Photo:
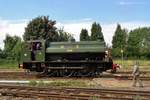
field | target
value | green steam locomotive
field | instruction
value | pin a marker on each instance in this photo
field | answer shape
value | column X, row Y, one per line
column 84, row 58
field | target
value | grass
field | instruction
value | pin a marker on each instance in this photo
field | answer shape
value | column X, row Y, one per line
column 94, row 98
column 71, row 83
column 128, row 64
column 131, row 62
column 61, row 83
column 33, row 83
column 137, row 97
column 8, row 64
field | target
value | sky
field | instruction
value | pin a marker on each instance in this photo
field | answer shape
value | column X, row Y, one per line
column 73, row 15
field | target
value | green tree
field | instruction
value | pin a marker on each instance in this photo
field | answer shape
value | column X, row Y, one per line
column 17, row 50
column 145, row 49
column 96, row 32
column 119, row 41
column 41, row 28
column 11, row 46
column 84, row 35
column 64, row 36
column 2, row 54
column 139, row 43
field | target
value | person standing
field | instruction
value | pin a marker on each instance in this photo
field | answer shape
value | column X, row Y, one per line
column 136, row 75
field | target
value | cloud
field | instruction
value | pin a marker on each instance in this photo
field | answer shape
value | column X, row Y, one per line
column 11, row 27
column 16, row 27
column 134, row 24
column 131, row 3
column 108, row 29
column 75, row 28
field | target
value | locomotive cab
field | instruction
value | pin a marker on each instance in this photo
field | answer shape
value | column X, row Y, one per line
column 36, row 51
column 33, row 54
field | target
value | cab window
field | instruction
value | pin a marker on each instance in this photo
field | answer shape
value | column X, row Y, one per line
column 36, row 46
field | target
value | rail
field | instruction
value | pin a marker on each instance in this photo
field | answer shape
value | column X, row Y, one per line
column 74, row 93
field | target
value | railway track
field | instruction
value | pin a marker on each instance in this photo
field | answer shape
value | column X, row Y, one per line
column 129, row 72
column 17, row 75
column 145, row 75
column 74, row 93
column 127, row 75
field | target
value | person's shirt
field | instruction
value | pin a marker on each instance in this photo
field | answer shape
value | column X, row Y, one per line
column 136, row 70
